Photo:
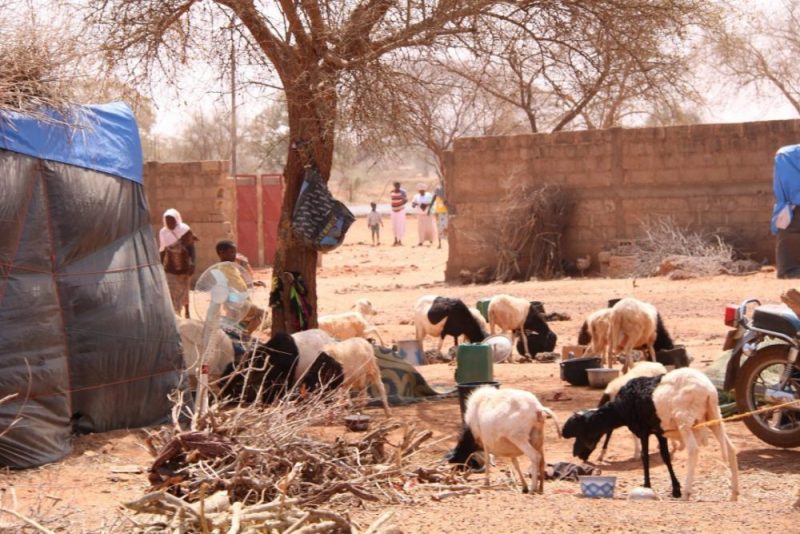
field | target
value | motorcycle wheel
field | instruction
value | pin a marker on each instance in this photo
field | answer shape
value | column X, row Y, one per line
column 780, row 428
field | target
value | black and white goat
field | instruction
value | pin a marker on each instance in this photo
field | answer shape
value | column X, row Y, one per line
column 441, row 317
column 668, row 406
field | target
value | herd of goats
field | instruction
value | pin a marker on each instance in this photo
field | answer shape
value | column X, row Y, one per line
column 681, row 405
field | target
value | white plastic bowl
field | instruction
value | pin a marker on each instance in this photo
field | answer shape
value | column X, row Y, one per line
column 600, row 377
column 501, row 347
column 598, row 486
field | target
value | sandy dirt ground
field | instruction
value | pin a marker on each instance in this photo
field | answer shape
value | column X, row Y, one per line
column 88, row 486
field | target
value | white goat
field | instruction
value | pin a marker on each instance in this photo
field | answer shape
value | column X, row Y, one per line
column 510, row 423
column 309, row 344
column 510, row 313
column 350, row 324
column 357, row 357
column 632, row 324
column 684, row 398
column 613, row 387
column 598, row 323
column 220, row 350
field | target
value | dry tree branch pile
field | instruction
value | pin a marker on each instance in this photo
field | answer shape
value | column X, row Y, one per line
column 706, row 253
column 526, row 239
column 259, row 468
column 32, row 74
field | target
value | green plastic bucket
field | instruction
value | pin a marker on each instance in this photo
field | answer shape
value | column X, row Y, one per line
column 474, row 363
column 483, row 307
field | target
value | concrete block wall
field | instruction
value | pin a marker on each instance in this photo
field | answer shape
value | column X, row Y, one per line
column 708, row 177
column 204, row 195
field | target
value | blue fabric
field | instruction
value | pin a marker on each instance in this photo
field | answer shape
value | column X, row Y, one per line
column 786, row 180
column 107, row 139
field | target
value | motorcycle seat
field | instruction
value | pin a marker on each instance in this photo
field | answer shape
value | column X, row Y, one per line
column 776, row 318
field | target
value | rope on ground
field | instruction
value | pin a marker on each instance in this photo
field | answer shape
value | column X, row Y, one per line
column 747, row 414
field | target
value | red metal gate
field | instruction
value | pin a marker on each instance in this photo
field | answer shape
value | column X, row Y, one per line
column 258, row 203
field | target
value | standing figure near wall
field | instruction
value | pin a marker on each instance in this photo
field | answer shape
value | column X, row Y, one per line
column 439, row 210
column 786, row 214
column 178, row 256
column 399, row 198
column 422, row 203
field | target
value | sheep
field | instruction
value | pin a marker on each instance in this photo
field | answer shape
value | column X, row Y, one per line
column 594, row 332
column 668, row 406
column 309, row 344
column 613, row 387
column 266, row 373
column 357, row 357
column 351, row 323
column 632, row 324
column 440, row 317
column 220, row 350
column 506, row 422
column 519, row 316
column 589, row 335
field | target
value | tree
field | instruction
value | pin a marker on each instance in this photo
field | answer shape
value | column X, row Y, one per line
column 437, row 106
column 582, row 66
column 762, row 49
column 326, row 54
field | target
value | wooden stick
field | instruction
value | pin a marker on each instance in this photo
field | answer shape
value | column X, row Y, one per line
column 27, row 520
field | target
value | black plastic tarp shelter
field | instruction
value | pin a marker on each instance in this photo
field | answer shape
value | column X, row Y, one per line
column 88, row 341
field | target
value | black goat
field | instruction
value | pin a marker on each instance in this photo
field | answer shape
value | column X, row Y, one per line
column 539, row 335
column 324, row 374
column 268, row 369
column 633, row 407
column 464, row 453
column 460, row 321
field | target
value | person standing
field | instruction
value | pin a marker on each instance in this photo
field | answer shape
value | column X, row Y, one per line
column 421, row 203
column 178, row 256
column 785, row 222
column 374, row 221
column 439, row 210
column 399, row 199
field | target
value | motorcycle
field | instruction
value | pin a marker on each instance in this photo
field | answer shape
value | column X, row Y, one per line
column 764, row 369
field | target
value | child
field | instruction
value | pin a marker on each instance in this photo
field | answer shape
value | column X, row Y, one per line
column 375, row 222
column 226, row 250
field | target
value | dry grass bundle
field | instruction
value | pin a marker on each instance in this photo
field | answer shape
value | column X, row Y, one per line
column 702, row 253
column 527, row 237
column 33, row 75
column 259, row 468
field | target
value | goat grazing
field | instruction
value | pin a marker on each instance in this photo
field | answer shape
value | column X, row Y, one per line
column 632, row 324
column 309, row 344
column 668, row 406
column 357, row 358
column 350, row 324
column 520, row 317
column 507, row 423
column 265, row 373
column 612, row 389
column 594, row 332
column 440, row 317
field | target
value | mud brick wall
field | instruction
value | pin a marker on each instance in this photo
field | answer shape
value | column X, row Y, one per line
column 708, row 177
column 204, row 195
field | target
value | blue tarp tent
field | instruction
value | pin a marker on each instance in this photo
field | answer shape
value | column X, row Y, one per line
column 88, row 341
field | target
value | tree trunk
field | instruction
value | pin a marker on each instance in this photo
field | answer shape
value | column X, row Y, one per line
column 310, row 119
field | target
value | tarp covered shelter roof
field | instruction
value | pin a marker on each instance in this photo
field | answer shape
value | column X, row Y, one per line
column 88, row 341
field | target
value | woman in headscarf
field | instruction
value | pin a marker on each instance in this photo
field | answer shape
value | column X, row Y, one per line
column 176, row 246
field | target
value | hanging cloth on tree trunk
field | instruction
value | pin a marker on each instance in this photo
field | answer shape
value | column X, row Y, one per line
column 300, row 309
column 319, row 220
